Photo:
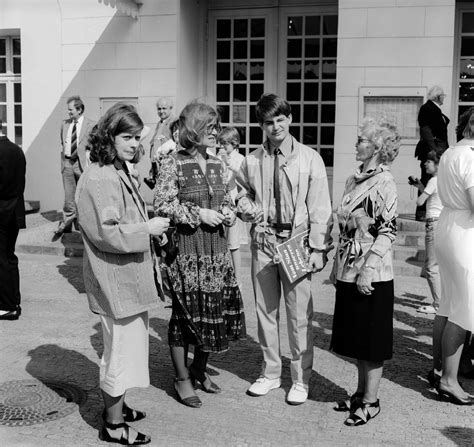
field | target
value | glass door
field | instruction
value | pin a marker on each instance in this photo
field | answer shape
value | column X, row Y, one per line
column 307, row 76
column 241, row 68
column 288, row 51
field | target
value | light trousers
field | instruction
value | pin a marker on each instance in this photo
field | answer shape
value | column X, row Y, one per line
column 71, row 174
column 269, row 281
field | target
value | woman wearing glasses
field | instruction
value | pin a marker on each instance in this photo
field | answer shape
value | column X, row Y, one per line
column 207, row 309
column 362, row 272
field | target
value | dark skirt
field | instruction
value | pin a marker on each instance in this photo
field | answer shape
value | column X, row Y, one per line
column 207, row 305
column 363, row 324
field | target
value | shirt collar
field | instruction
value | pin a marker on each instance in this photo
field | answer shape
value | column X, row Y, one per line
column 79, row 120
column 285, row 147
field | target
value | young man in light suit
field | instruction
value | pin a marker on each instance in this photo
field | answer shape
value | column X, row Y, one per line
column 283, row 192
column 74, row 159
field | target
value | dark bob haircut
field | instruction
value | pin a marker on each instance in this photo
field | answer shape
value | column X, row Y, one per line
column 269, row 106
column 194, row 122
column 120, row 118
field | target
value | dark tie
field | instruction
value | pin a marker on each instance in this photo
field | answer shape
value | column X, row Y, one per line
column 276, row 188
column 74, row 141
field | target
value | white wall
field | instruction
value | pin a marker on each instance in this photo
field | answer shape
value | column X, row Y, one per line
column 88, row 48
column 388, row 43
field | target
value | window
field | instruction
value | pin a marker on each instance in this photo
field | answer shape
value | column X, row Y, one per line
column 311, row 55
column 291, row 52
column 240, row 75
column 10, row 88
column 465, row 61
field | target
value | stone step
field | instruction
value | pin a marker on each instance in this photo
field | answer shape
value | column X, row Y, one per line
column 32, row 206
column 411, row 268
column 410, row 224
column 410, row 238
column 407, row 253
column 69, row 251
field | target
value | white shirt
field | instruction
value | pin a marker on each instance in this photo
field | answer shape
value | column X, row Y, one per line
column 433, row 203
column 67, row 147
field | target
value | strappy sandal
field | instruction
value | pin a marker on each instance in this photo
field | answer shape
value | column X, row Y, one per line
column 191, row 401
column 131, row 415
column 206, row 383
column 363, row 413
column 349, row 404
column 125, row 435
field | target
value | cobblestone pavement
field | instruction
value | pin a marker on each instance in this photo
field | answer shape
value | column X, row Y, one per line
column 58, row 339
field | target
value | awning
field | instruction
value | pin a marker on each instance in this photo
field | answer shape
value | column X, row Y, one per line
column 129, row 7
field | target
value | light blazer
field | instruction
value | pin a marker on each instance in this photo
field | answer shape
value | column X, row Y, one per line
column 309, row 187
column 82, row 140
column 118, row 267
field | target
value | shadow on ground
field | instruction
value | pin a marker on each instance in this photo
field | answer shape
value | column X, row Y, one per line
column 461, row 436
column 49, row 363
column 71, row 270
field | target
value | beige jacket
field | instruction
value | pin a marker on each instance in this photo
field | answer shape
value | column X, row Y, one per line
column 118, row 269
column 309, row 189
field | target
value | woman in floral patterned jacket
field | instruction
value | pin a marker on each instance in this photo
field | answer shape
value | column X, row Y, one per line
column 206, row 301
column 362, row 272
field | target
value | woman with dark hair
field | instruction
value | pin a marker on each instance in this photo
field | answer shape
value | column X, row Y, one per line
column 207, row 309
column 453, row 244
column 363, row 272
column 118, row 270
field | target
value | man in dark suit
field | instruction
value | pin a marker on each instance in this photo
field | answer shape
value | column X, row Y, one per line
column 74, row 157
column 12, row 218
column 433, row 134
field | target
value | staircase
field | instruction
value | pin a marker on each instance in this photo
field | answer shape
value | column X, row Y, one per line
column 409, row 247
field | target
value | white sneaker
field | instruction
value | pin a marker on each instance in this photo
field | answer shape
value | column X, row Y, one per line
column 298, row 394
column 262, row 386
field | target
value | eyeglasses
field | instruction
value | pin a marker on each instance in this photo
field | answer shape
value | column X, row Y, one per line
column 362, row 140
column 213, row 127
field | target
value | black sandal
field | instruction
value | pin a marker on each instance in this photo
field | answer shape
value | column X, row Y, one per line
column 349, row 404
column 131, row 415
column 363, row 413
column 124, row 439
column 206, row 383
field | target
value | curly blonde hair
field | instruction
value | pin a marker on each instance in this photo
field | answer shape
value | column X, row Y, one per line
column 384, row 136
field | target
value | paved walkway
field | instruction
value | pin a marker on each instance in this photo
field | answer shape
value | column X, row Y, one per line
column 58, row 339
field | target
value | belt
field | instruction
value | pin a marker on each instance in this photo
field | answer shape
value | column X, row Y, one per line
column 281, row 226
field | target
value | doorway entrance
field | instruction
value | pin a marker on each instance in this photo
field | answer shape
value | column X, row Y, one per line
column 287, row 50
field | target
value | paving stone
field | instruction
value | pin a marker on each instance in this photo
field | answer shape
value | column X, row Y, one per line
column 59, row 339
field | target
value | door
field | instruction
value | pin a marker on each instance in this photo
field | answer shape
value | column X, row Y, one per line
column 290, row 51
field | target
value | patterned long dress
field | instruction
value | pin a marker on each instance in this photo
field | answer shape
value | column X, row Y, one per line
column 207, row 304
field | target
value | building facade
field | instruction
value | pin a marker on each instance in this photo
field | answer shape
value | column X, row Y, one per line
column 335, row 61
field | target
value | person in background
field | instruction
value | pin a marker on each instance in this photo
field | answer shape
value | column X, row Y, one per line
column 207, row 308
column 362, row 271
column 12, row 219
column 162, row 134
column 433, row 135
column 74, row 158
column 283, row 193
column 229, row 141
column 453, row 244
column 429, row 194
column 119, row 278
